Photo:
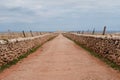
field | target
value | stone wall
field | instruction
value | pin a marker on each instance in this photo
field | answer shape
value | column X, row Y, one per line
column 11, row 51
column 107, row 47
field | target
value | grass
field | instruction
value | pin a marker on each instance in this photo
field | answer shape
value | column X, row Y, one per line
column 105, row 60
column 15, row 61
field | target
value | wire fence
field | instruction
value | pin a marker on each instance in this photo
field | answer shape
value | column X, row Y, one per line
column 12, row 35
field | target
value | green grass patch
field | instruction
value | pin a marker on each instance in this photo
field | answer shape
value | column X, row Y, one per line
column 15, row 61
column 105, row 60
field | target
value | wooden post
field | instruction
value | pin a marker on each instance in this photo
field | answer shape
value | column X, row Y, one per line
column 104, row 30
column 93, row 31
column 9, row 34
column 88, row 31
column 31, row 33
column 23, row 33
column 82, row 32
column 37, row 33
column 40, row 33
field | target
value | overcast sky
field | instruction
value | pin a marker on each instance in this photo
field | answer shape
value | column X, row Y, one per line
column 51, row 15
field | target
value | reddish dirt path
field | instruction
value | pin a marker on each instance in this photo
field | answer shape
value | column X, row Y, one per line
column 60, row 59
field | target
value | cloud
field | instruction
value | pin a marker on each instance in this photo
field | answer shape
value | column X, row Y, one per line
column 59, row 11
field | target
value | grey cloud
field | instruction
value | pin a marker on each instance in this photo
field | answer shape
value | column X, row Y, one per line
column 65, row 11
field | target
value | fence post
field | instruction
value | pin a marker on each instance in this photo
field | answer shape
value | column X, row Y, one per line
column 88, row 31
column 23, row 33
column 82, row 32
column 31, row 33
column 104, row 30
column 40, row 33
column 79, row 32
column 9, row 34
column 93, row 31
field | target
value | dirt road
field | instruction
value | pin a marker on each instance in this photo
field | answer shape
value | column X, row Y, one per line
column 60, row 59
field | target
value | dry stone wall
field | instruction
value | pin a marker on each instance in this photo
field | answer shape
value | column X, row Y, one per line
column 11, row 51
column 107, row 47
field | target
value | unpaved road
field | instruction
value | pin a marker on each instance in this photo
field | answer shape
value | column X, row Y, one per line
column 60, row 59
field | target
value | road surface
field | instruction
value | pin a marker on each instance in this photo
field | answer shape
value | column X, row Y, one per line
column 60, row 59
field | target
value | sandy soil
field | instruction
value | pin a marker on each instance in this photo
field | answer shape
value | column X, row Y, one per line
column 60, row 59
